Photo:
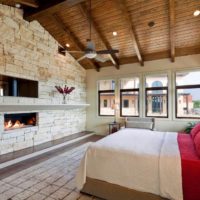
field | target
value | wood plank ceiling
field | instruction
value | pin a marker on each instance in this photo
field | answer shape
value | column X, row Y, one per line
column 146, row 29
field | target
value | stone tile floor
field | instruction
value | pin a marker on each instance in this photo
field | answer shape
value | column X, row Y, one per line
column 53, row 179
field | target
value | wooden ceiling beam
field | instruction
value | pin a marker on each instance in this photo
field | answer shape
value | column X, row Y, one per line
column 84, row 10
column 73, row 39
column 48, row 8
column 121, row 5
column 30, row 3
column 172, row 28
column 159, row 55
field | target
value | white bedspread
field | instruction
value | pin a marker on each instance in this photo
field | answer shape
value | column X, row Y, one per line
column 144, row 160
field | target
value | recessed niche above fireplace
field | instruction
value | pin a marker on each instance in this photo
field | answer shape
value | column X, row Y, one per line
column 19, row 120
column 17, row 87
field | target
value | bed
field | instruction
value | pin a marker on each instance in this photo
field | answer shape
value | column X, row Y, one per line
column 141, row 164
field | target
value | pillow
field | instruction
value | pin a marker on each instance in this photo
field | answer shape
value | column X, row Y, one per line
column 144, row 125
column 195, row 130
column 197, row 143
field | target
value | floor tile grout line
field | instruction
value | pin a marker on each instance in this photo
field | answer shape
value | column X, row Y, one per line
column 47, row 186
column 39, row 190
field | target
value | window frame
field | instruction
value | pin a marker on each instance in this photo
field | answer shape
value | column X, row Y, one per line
column 167, row 99
column 177, row 87
column 99, row 101
column 121, row 102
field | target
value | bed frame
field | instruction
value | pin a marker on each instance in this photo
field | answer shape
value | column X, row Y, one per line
column 110, row 191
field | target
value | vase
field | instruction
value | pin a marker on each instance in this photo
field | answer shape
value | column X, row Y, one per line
column 64, row 99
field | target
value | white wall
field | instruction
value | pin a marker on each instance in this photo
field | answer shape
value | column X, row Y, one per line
column 100, row 124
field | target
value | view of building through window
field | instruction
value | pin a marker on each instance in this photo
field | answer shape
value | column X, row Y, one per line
column 106, row 97
column 129, row 96
column 188, row 94
column 157, row 95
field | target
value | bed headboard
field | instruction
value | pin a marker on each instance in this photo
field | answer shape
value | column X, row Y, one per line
column 146, row 123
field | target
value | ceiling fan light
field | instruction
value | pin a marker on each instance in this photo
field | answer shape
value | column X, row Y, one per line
column 91, row 55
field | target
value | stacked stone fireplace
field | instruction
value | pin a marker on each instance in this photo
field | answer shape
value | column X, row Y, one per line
column 28, row 51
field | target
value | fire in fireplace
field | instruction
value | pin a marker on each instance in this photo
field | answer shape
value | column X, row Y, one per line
column 19, row 120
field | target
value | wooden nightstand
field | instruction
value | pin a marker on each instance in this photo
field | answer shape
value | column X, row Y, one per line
column 114, row 127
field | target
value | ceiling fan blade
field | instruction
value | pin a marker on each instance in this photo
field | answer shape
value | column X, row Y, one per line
column 75, row 51
column 110, row 51
column 81, row 58
column 100, row 59
column 73, row 2
column 60, row 46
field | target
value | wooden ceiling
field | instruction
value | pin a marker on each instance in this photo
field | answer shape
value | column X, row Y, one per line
column 147, row 29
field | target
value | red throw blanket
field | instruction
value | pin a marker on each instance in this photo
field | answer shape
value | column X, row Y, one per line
column 190, row 168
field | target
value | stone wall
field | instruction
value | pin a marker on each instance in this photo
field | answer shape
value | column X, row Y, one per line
column 28, row 51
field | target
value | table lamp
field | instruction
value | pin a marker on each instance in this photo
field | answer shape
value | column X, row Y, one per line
column 115, row 107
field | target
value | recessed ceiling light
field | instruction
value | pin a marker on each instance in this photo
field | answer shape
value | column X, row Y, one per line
column 17, row 5
column 114, row 33
column 196, row 13
column 67, row 45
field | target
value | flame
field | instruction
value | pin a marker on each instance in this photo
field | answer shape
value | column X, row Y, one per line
column 10, row 124
column 31, row 121
column 17, row 124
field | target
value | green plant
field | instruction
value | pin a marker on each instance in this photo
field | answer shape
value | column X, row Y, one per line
column 189, row 127
column 196, row 104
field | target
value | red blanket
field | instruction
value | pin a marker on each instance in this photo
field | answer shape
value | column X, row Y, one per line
column 190, row 168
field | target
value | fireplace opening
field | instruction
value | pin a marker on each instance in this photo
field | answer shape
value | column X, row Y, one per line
column 19, row 120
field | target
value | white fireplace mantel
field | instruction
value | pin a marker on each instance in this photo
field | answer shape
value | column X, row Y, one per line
column 5, row 108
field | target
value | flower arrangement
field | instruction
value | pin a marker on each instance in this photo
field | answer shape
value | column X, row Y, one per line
column 64, row 91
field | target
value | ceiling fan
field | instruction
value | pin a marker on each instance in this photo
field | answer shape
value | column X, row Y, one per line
column 90, row 51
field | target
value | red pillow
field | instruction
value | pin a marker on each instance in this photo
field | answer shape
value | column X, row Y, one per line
column 195, row 130
column 197, row 143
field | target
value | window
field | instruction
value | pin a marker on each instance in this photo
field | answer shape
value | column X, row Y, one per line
column 106, row 96
column 157, row 96
column 188, row 94
column 129, row 97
